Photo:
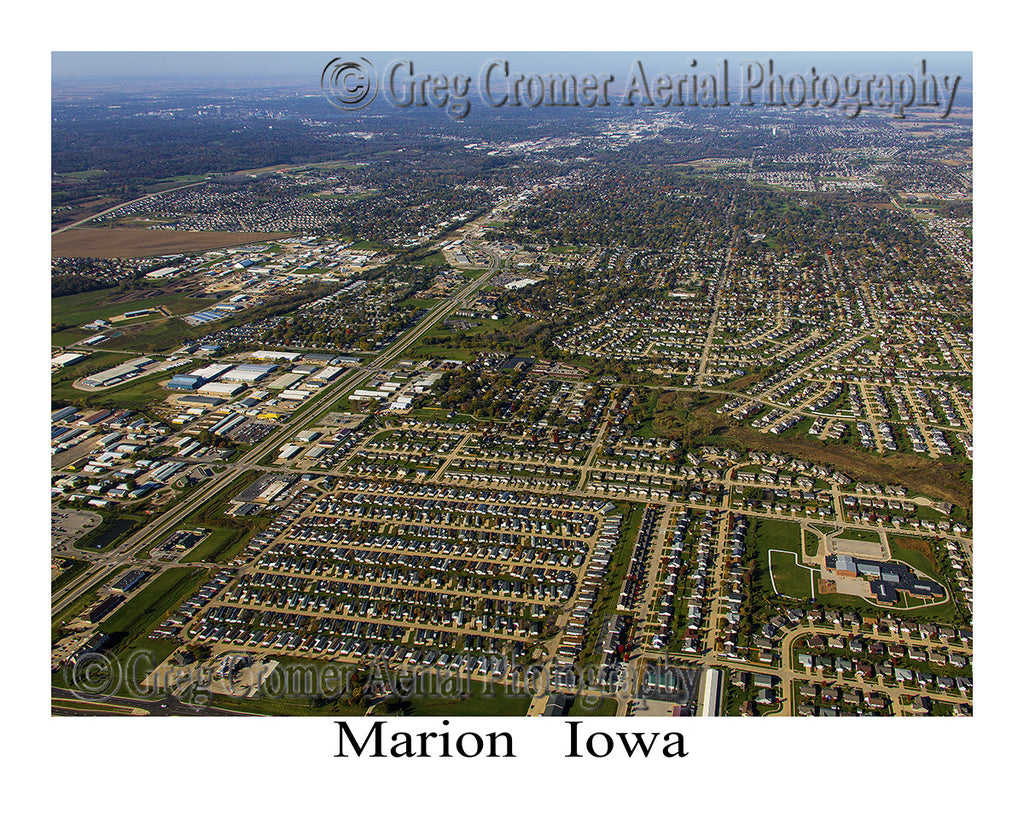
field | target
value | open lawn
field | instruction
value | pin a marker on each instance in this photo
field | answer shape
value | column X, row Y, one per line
column 764, row 535
column 422, row 351
column 915, row 552
column 861, row 535
column 81, row 308
column 135, row 394
column 481, row 700
column 299, row 678
column 437, row 414
column 163, row 334
column 285, row 706
column 775, row 534
column 220, row 546
column 435, row 259
column 86, row 174
column 788, row 577
column 155, row 601
column 586, row 707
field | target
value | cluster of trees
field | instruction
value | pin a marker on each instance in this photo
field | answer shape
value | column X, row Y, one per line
column 81, row 274
column 67, row 284
column 482, row 395
column 631, row 208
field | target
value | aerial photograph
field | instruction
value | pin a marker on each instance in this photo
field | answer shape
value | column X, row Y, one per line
column 520, row 384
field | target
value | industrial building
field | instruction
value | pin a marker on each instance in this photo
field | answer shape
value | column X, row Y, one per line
column 273, row 355
column 200, row 400
column 184, row 382
column 116, row 375
column 219, row 388
column 285, row 381
column 162, row 273
column 327, row 374
column 62, row 414
column 67, row 359
column 249, row 373
column 130, row 581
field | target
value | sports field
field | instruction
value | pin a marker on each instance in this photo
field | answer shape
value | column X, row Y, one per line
column 788, row 577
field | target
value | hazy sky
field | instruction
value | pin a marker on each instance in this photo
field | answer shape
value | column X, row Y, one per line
column 282, row 66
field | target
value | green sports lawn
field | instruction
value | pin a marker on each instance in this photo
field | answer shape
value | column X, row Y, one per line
column 790, row 578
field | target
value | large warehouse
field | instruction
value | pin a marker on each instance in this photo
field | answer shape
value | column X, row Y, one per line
column 221, row 389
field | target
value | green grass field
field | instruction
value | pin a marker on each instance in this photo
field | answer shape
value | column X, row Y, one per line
column 156, row 599
column 136, row 394
column 434, row 258
column 859, row 534
column 86, row 174
column 901, row 549
column 285, row 706
column 173, row 181
column 482, row 700
column 163, row 334
column 790, row 578
column 220, row 546
column 775, row 534
column 420, row 351
column 83, row 601
column 763, row 535
column 417, row 303
column 430, row 414
column 585, row 707
column 474, row 699
column 73, row 569
column 81, row 308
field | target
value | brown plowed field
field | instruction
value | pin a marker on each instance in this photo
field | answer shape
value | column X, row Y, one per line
column 131, row 243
